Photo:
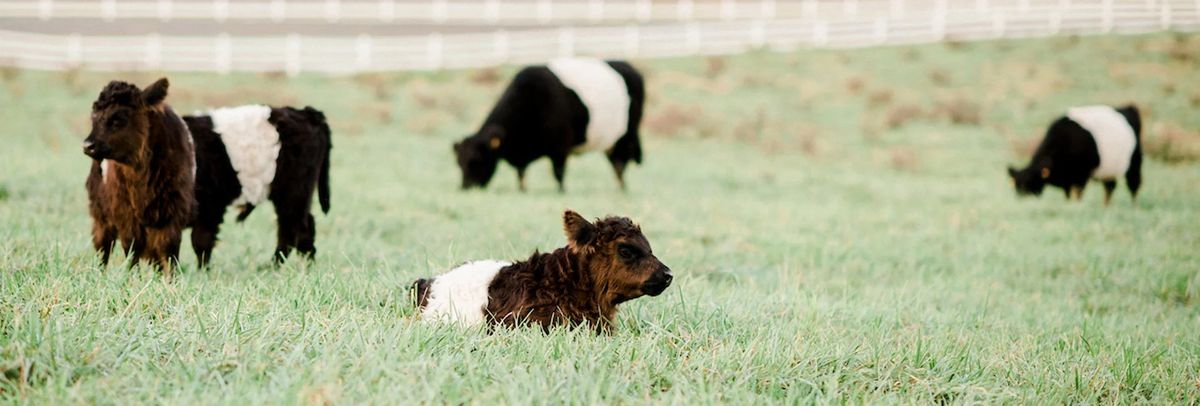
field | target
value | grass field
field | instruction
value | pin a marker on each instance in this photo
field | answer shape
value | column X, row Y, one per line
column 840, row 225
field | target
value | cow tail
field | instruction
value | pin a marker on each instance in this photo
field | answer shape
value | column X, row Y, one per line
column 323, row 185
column 318, row 118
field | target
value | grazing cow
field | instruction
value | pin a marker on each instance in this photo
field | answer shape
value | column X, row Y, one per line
column 603, row 265
column 143, row 174
column 253, row 153
column 569, row 106
column 1092, row 142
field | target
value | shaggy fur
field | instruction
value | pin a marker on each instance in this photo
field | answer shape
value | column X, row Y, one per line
column 140, row 187
column 1097, row 142
column 252, row 146
column 540, row 115
column 280, row 154
column 603, row 265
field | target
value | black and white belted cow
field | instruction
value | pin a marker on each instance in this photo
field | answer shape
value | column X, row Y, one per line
column 1091, row 142
column 568, row 106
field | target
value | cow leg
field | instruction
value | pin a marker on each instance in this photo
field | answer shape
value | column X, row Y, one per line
column 1077, row 192
column 292, row 218
column 204, row 238
column 1133, row 177
column 166, row 243
column 521, row 178
column 133, row 246
column 560, row 170
column 618, row 167
column 306, row 235
column 1109, row 186
column 104, row 237
column 162, row 248
column 286, row 238
column 204, row 234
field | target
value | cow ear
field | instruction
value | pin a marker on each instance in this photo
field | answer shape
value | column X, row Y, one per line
column 1045, row 173
column 156, row 92
column 580, row 233
column 1012, row 172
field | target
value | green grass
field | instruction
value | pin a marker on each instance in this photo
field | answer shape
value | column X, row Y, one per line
column 821, row 254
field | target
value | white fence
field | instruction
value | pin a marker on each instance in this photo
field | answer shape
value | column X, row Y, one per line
column 897, row 23
column 478, row 11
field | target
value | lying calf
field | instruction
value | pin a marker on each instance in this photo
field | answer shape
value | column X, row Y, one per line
column 603, row 265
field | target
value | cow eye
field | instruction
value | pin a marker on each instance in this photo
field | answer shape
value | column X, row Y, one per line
column 627, row 253
column 116, row 123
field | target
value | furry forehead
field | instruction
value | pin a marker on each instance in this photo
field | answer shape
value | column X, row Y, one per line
column 118, row 93
column 613, row 228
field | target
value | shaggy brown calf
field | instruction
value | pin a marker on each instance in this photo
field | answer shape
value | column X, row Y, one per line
column 603, row 265
column 143, row 174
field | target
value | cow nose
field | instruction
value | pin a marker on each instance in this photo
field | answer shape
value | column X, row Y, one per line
column 667, row 276
column 89, row 147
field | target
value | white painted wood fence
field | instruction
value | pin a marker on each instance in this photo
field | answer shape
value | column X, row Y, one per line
column 611, row 29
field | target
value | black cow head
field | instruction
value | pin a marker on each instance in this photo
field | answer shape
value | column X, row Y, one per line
column 478, row 156
column 1029, row 181
column 121, row 120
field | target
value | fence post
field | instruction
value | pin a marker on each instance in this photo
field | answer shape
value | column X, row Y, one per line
column 333, row 10
column 438, row 11
column 981, row 6
column 939, row 21
column 493, row 11
column 768, row 9
column 278, row 10
column 1055, row 22
column 850, row 7
column 544, row 13
column 643, row 10
column 1023, row 6
column 108, row 9
column 45, row 9
column 881, row 30
column 897, row 8
column 153, row 52
column 998, row 25
column 220, row 10
column 595, row 10
column 223, row 50
column 387, row 10
column 810, row 8
column 1107, row 17
column 758, row 34
column 633, row 40
column 74, row 50
column 364, row 48
column 684, row 10
column 434, row 49
column 165, row 10
column 1165, row 17
column 566, row 42
column 820, row 34
column 728, row 10
column 500, row 45
column 693, row 38
column 292, row 63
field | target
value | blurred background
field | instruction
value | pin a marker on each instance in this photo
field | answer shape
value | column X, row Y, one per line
column 349, row 36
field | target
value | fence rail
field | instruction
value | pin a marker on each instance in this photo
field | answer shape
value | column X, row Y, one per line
column 294, row 53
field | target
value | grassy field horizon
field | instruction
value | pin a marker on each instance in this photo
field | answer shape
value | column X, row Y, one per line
column 840, row 225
